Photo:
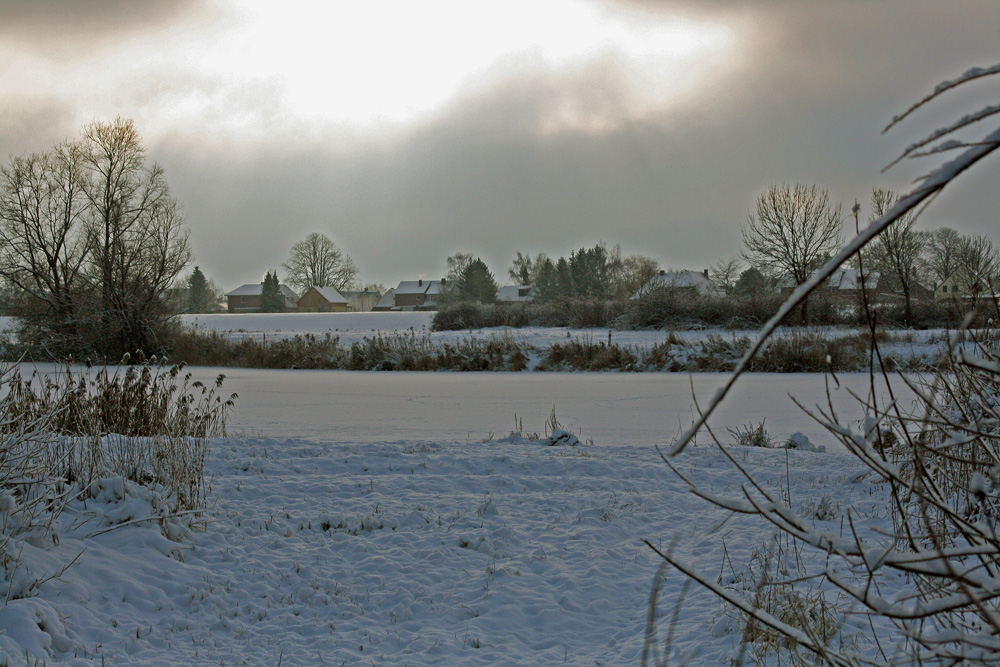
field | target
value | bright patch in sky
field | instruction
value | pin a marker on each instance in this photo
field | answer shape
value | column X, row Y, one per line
column 392, row 61
column 259, row 68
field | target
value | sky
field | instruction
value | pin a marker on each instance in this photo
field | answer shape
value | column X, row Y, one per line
column 410, row 131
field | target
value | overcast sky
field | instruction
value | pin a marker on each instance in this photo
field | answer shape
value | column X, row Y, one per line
column 409, row 131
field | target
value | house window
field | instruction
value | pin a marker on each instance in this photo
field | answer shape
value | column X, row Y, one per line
column 944, row 289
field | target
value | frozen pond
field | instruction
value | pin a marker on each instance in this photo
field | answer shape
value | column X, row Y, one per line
column 610, row 408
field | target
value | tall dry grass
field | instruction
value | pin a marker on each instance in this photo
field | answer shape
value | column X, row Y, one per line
column 67, row 435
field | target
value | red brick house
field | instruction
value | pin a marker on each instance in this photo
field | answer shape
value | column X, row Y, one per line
column 246, row 298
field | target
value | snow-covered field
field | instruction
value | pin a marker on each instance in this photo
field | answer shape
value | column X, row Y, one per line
column 368, row 542
column 364, row 518
column 404, row 553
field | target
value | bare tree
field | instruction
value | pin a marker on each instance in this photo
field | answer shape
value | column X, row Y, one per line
column 898, row 249
column 316, row 261
column 794, row 230
column 457, row 264
column 941, row 254
column 42, row 239
column 979, row 265
column 725, row 274
column 521, row 269
column 631, row 273
column 524, row 270
column 92, row 235
column 136, row 239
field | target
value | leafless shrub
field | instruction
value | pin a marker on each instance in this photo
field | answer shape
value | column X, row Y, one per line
column 752, row 436
column 763, row 583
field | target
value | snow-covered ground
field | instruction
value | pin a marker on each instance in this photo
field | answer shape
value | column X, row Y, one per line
column 371, row 540
column 406, row 553
column 363, row 518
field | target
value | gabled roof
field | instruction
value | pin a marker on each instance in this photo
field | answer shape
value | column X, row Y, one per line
column 388, row 299
column 428, row 287
column 251, row 289
column 328, row 293
column 675, row 279
column 849, row 279
column 513, row 293
column 255, row 289
column 841, row 279
column 413, row 287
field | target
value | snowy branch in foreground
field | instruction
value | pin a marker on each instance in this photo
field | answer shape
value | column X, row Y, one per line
column 931, row 185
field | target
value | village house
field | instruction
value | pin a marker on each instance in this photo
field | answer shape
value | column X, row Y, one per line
column 960, row 285
column 361, row 301
column 695, row 282
column 417, row 294
column 246, row 298
column 387, row 302
column 515, row 294
column 322, row 300
column 843, row 283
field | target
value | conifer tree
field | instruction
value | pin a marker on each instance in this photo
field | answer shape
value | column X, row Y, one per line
column 547, row 283
column 564, row 280
column 477, row 283
column 199, row 294
column 271, row 298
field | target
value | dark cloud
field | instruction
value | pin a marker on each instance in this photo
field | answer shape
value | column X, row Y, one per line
column 61, row 29
column 804, row 101
column 481, row 180
column 34, row 128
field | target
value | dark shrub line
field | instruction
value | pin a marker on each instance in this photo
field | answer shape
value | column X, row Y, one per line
column 677, row 309
column 798, row 351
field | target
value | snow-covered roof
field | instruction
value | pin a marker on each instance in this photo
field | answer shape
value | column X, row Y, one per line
column 514, row 293
column 841, row 279
column 413, row 286
column 330, row 294
column 251, row 289
column 388, row 299
column 848, row 279
column 255, row 289
column 675, row 279
column 428, row 287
